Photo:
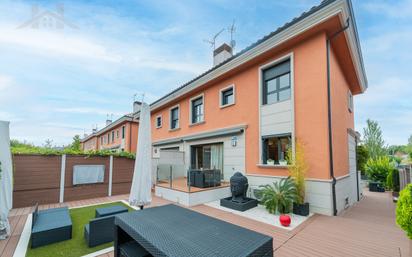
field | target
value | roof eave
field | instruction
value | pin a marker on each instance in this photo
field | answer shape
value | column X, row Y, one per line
column 342, row 8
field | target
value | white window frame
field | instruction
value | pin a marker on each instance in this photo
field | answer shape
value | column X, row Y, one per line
column 292, row 99
column 170, row 117
column 190, row 108
column 221, row 105
column 161, row 121
column 350, row 101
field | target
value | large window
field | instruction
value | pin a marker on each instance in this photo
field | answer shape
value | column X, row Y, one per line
column 275, row 149
column 197, row 110
column 108, row 138
column 123, row 132
column 174, row 118
column 227, row 96
column 207, row 156
column 113, row 136
column 276, row 83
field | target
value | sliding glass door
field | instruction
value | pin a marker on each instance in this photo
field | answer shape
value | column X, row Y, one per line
column 207, row 156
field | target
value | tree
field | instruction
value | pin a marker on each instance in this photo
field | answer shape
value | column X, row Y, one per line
column 362, row 156
column 48, row 143
column 76, row 143
column 372, row 139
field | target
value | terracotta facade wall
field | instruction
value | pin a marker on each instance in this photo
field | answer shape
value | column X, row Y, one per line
column 37, row 179
column 309, row 61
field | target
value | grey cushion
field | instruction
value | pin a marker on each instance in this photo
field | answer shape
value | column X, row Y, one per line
column 51, row 219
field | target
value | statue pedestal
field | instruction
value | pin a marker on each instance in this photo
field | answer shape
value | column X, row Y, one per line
column 246, row 204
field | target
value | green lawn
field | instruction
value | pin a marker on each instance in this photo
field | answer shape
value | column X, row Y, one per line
column 77, row 246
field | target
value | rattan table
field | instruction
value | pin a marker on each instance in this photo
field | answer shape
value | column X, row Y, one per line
column 171, row 230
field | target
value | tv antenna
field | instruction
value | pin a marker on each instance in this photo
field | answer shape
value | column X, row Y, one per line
column 232, row 30
column 212, row 41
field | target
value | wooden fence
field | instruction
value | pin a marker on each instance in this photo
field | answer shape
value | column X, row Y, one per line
column 405, row 175
column 38, row 178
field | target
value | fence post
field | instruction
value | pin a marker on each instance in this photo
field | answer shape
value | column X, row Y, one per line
column 110, row 175
column 62, row 176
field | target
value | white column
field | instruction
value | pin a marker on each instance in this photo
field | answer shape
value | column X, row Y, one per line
column 62, row 176
column 110, row 175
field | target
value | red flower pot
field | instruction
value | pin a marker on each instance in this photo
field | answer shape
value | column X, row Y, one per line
column 284, row 220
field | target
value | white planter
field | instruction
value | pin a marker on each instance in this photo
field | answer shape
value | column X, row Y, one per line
column 283, row 163
column 270, row 162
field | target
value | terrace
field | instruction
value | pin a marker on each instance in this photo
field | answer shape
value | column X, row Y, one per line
column 366, row 229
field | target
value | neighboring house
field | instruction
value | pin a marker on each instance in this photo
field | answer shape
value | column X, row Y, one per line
column 245, row 112
column 120, row 135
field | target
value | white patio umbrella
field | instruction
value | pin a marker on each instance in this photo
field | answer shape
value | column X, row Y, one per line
column 6, row 179
column 140, row 193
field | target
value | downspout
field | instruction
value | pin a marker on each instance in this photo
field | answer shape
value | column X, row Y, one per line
column 356, row 163
column 332, row 174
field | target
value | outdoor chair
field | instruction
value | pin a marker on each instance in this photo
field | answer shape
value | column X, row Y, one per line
column 99, row 231
column 50, row 226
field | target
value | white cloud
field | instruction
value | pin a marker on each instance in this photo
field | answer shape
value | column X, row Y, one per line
column 88, row 110
column 5, row 82
column 56, row 44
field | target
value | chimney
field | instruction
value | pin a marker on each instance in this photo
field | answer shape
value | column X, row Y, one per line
column 221, row 54
column 136, row 106
column 94, row 130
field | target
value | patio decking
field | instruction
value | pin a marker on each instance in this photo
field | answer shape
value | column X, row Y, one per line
column 366, row 229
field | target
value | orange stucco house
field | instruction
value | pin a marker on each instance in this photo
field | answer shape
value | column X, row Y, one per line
column 245, row 112
column 120, row 135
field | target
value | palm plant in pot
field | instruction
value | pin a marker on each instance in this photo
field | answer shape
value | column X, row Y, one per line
column 279, row 197
column 297, row 170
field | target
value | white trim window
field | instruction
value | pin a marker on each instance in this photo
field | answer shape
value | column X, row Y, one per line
column 276, row 86
column 350, row 101
column 159, row 121
column 174, row 117
column 275, row 149
column 227, row 96
column 197, row 109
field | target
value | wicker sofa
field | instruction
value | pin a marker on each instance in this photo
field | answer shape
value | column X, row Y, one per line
column 204, row 178
column 50, row 226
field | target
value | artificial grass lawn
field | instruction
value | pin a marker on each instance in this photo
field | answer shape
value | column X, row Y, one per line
column 76, row 246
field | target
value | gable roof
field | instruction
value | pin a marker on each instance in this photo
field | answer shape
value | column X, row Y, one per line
column 335, row 6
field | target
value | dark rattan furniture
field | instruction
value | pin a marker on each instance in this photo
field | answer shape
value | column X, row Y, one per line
column 107, row 211
column 204, row 178
column 171, row 230
column 50, row 226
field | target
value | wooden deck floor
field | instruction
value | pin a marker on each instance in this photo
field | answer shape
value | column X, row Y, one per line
column 366, row 229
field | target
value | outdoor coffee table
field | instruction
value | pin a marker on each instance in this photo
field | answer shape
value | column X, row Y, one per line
column 171, row 230
column 107, row 211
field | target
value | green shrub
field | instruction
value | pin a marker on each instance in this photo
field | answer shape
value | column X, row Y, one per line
column 378, row 169
column 404, row 210
column 362, row 156
column 392, row 180
column 297, row 170
column 279, row 196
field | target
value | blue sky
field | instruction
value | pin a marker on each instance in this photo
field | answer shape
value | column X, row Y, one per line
column 57, row 83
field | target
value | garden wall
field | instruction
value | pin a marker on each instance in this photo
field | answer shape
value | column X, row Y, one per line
column 37, row 178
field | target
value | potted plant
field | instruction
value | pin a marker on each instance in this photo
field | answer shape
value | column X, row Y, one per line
column 404, row 212
column 297, row 170
column 270, row 162
column 278, row 198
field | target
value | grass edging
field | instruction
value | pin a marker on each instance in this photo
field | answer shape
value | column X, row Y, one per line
column 76, row 245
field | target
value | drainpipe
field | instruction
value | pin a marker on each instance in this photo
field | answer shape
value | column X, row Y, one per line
column 332, row 174
column 356, row 163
